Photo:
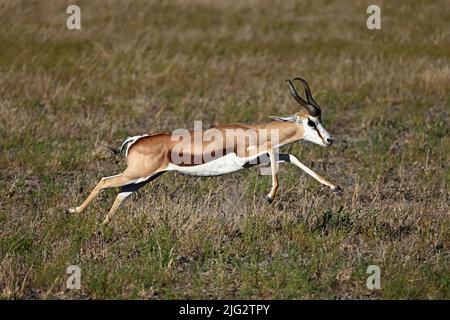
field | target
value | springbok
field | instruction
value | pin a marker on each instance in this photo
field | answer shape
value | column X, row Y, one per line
column 220, row 150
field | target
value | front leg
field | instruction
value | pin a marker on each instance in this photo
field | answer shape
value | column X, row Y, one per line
column 273, row 168
column 292, row 159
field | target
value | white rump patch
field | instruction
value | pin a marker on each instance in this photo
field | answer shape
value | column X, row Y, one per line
column 130, row 141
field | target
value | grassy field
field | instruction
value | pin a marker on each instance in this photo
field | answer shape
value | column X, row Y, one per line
column 147, row 66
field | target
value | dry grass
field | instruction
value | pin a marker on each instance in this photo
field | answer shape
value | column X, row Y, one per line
column 147, row 66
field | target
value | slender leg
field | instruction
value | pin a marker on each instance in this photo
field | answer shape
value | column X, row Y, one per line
column 292, row 159
column 273, row 167
column 119, row 199
column 105, row 182
column 124, row 192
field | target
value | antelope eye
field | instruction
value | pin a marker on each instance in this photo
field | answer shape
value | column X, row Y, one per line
column 311, row 123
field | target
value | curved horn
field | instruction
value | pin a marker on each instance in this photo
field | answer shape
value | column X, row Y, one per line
column 313, row 110
column 309, row 96
column 295, row 94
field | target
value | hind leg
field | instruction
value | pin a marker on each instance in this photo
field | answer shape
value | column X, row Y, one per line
column 119, row 199
column 105, row 182
column 124, row 192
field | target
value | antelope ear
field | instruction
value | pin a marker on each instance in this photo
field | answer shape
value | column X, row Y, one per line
column 292, row 118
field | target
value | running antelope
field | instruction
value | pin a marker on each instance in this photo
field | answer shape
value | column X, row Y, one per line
column 220, row 150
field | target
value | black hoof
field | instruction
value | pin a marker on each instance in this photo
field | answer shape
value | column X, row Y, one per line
column 270, row 200
column 337, row 189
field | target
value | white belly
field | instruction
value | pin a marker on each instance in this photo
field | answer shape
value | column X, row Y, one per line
column 226, row 164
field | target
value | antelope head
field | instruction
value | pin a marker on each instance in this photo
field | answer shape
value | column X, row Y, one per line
column 309, row 120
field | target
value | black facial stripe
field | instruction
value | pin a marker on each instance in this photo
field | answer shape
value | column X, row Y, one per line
column 318, row 132
column 315, row 128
